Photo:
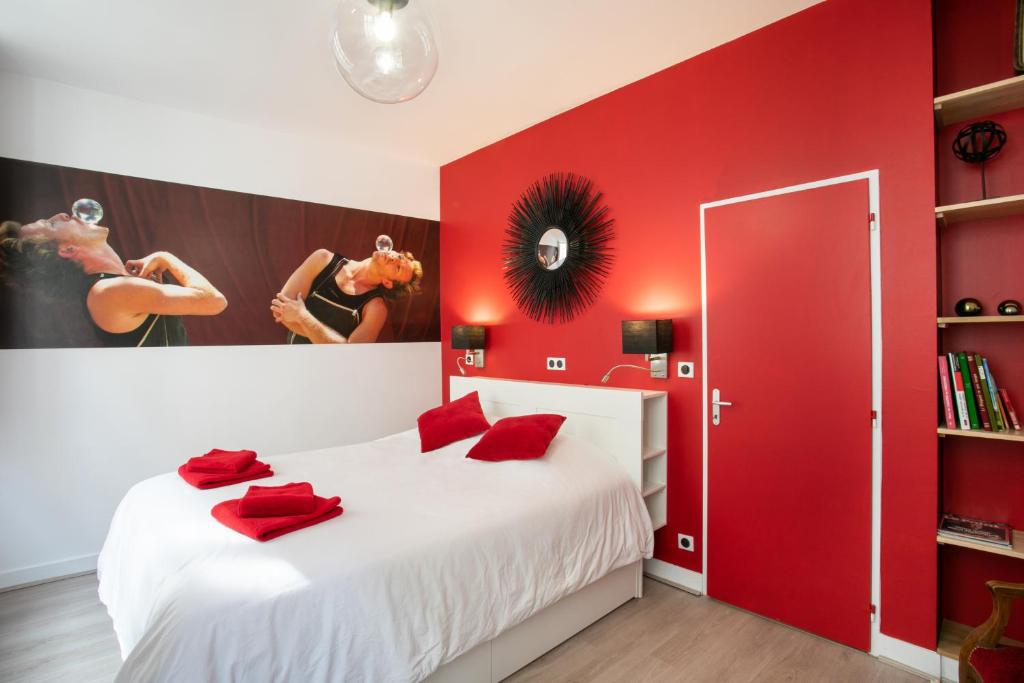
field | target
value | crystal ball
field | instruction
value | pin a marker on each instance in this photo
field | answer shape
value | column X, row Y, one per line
column 384, row 243
column 88, row 211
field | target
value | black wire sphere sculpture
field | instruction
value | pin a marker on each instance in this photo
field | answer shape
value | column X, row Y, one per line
column 977, row 143
column 558, row 294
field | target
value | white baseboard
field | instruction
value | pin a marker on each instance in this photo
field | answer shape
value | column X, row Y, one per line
column 950, row 669
column 48, row 571
column 675, row 576
column 927, row 662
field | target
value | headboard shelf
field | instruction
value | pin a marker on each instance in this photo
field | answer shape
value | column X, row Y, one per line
column 629, row 425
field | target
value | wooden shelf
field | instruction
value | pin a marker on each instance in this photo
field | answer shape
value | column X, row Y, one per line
column 653, row 453
column 952, row 637
column 991, row 98
column 651, row 489
column 980, row 320
column 996, row 207
column 1012, row 435
column 1016, row 551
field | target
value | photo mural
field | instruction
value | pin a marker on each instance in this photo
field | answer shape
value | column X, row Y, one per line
column 92, row 259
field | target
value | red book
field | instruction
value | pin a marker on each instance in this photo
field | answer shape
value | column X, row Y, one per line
column 979, row 399
column 1009, row 408
column 947, row 394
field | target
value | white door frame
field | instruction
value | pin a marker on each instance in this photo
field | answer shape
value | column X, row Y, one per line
column 874, row 237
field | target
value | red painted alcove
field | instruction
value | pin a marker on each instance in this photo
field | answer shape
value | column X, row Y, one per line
column 981, row 259
column 842, row 87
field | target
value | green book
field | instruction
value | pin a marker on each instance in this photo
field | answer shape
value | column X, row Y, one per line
column 965, row 372
column 986, row 396
column 1001, row 423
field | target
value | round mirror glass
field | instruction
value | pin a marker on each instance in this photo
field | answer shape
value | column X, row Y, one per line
column 553, row 249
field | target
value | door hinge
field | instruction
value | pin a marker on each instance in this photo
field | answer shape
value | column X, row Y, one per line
column 872, row 221
column 874, row 612
column 874, row 418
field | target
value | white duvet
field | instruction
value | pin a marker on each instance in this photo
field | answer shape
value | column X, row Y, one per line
column 434, row 555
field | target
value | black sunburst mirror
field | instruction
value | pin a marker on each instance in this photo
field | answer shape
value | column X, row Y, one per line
column 557, row 248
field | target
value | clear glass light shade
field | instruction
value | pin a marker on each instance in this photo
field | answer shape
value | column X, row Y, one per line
column 384, row 48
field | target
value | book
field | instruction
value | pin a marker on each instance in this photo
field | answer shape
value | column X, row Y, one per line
column 965, row 372
column 947, row 394
column 979, row 394
column 976, row 530
column 998, row 420
column 958, row 392
column 1009, row 409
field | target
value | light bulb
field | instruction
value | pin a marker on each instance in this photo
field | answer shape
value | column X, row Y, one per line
column 383, row 26
column 384, row 48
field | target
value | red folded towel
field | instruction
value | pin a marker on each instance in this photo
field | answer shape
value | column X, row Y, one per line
column 211, row 480
column 277, row 501
column 220, row 461
column 266, row 528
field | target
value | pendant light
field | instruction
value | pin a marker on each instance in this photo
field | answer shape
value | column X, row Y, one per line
column 384, row 48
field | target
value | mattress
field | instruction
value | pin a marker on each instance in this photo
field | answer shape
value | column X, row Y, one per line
column 434, row 554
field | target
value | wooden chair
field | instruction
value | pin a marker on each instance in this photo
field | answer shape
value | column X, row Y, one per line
column 992, row 665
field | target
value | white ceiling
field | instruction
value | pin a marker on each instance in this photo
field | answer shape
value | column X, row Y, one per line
column 504, row 64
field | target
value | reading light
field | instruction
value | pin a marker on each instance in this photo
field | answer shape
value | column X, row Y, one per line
column 473, row 339
column 653, row 338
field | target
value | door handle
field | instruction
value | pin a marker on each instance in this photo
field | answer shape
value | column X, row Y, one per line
column 716, row 413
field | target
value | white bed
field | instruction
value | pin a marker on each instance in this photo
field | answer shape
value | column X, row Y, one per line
column 434, row 558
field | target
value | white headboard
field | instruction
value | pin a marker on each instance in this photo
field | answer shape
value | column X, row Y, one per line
column 612, row 419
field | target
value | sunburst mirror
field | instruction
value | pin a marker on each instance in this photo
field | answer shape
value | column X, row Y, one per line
column 557, row 248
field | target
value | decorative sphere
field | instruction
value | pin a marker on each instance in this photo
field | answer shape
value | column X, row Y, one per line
column 384, row 243
column 88, row 211
column 968, row 307
column 979, row 142
column 384, row 49
column 1010, row 307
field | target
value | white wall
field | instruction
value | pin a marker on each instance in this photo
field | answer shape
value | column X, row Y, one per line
column 79, row 426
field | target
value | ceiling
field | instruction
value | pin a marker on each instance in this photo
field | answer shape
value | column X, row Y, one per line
column 504, row 64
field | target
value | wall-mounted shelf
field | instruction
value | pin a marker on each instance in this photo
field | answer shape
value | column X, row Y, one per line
column 653, row 453
column 952, row 637
column 991, row 98
column 980, row 320
column 1017, row 550
column 996, row 207
column 1011, row 435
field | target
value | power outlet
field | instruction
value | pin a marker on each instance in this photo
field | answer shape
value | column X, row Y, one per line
column 685, row 542
column 470, row 359
column 684, row 368
column 556, row 363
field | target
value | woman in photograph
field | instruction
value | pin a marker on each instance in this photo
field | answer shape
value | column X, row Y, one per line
column 65, row 286
column 330, row 299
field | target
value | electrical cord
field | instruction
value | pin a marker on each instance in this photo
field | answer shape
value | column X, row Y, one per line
column 607, row 375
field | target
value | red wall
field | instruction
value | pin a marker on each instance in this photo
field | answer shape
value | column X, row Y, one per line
column 842, row 87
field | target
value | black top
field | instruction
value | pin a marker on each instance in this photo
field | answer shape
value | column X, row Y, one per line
column 340, row 311
column 155, row 330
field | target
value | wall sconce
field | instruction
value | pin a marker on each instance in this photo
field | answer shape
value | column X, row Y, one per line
column 472, row 338
column 653, row 338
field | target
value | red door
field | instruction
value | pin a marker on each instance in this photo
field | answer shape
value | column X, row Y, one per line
column 789, row 464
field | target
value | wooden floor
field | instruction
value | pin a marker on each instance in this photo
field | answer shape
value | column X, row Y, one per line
column 60, row 632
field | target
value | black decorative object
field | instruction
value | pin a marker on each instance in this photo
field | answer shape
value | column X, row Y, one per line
column 1018, row 44
column 977, row 143
column 646, row 336
column 469, row 337
column 967, row 308
column 546, row 290
column 1009, row 307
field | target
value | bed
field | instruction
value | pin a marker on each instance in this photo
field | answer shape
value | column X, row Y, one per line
column 440, row 569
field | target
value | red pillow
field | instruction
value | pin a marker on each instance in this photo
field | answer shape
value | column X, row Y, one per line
column 517, row 438
column 454, row 421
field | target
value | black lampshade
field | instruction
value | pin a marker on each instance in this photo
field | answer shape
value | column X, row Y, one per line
column 646, row 336
column 469, row 337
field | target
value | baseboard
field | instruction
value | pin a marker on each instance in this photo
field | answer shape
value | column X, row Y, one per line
column 950, row 669
column 48, row 571
column 686, row 579
column 911, row 656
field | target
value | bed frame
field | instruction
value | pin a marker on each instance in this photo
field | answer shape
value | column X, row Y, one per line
column 611, row 419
